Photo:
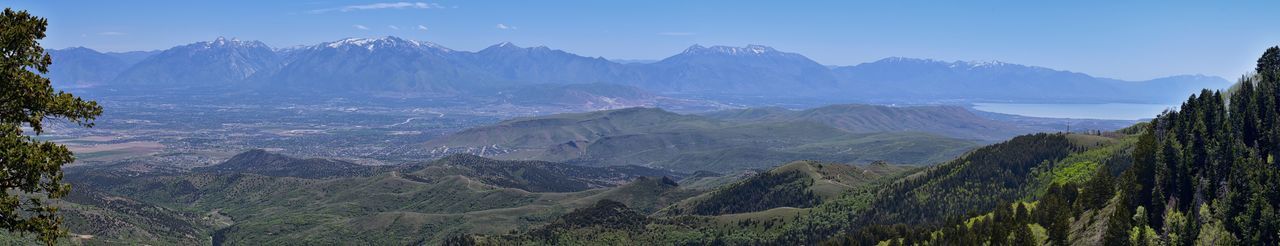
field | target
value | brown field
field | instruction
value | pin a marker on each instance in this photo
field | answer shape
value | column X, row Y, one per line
column 114, row 151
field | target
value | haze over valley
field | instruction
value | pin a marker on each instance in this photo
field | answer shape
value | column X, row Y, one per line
column 240, row 95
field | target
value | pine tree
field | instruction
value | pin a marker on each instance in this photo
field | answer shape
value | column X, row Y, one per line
column 1270, row 61
column 1022, row 236
column 27, row 99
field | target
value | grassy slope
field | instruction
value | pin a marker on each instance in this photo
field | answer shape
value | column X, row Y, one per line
column 1080, row 166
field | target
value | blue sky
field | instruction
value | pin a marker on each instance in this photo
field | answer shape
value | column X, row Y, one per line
column 1133, row 40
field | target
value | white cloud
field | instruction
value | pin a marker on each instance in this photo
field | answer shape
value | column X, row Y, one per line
column 506, row 27
column 393, row 27
column 361, row 27
column 111, row 34
column 421, row 27
column 677, row 33
column 375, row 6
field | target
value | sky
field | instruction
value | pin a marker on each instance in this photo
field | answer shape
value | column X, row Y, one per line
column 1132, row 40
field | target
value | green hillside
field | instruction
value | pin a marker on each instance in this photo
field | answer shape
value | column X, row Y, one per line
column 533, row 176
column 688, row 143
column 951, row 121
column 270, row 164
column 98, row 218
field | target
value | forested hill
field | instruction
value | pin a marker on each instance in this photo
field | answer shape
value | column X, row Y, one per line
column 1212, row 162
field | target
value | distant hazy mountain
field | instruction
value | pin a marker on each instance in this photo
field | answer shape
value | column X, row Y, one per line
column 133, row 57
column 998, row 81
column 83, row 67
column 543, row 65
column 633, row 61
column 212, row 63
column 754, row 69
column 396, row 66
column 374, row 65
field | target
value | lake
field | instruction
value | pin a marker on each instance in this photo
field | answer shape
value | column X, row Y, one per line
column 1106, row 111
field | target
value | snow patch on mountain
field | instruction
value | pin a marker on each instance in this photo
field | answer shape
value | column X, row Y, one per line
column 383, row 42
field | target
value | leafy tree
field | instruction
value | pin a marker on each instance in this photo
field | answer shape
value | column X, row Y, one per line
column 1213, row 233
column 1142, row 234
column 1176, row 228
column 30, row 168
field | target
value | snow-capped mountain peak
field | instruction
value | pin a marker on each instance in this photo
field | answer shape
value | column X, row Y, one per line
column 693, row 49
column 759, row 49
column 223, row 42
column 751, row 49
column 899, row 59
column 502, row 46
column 978, row 64
column 383, row 42
column 949, row 64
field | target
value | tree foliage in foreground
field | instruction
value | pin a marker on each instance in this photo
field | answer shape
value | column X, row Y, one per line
column 31, row 169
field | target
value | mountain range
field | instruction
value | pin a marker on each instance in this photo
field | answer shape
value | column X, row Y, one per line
column 394, row 66
column 79, row 67
column 200, row 65
column 1000, row 81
